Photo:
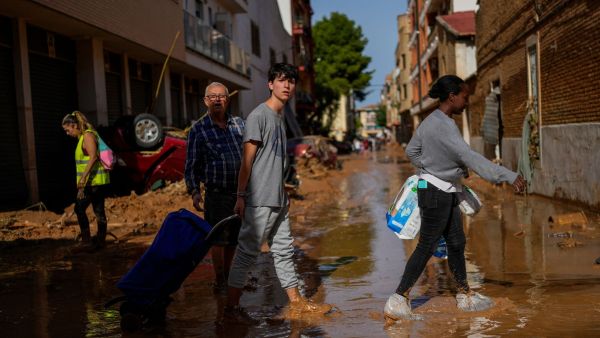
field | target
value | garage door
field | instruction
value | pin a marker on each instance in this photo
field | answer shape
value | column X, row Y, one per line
column 176, row 110
column 141, row 85
column 114, row 94
column 54, row 94
column 13, row 187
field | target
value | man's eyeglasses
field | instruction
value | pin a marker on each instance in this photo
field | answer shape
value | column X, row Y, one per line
column 214, row 97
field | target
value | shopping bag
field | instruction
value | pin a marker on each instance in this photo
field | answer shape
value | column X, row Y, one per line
column 403, row 217
column 469, row 204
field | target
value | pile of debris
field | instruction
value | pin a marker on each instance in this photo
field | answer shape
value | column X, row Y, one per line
column 124, row 214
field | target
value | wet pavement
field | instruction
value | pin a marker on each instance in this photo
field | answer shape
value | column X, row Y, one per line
column 347, row 257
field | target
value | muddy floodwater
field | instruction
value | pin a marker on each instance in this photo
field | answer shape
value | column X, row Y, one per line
column 522, row 251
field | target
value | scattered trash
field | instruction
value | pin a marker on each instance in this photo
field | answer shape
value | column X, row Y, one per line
column 568, row 234
column 569, row 243
column 575, row 219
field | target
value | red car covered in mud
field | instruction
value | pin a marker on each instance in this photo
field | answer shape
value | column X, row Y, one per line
column 313, row 147
column 148, row 156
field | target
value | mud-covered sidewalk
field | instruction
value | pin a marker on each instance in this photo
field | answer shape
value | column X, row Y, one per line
column 533, row 255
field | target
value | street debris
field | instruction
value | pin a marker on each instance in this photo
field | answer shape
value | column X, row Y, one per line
column 569, row 243
column 574, row 219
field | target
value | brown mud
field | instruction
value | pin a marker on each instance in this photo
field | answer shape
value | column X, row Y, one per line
column 345, row 256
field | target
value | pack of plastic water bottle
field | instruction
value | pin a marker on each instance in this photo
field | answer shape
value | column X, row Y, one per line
column 403, row 216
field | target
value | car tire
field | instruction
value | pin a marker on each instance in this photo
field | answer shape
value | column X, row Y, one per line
column 147, row 131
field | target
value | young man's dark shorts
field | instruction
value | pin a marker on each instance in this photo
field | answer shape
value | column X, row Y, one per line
column 219, row 204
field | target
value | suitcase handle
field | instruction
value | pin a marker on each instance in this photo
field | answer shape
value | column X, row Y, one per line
column 217, row 226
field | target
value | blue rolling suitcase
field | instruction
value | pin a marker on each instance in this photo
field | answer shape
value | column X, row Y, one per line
column 181, row 243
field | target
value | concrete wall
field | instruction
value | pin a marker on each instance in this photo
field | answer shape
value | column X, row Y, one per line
column 569, row 163
column 267, row 16
column 339, row 125
column 466, row 59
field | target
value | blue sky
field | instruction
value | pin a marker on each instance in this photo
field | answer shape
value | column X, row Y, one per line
column 378, row 21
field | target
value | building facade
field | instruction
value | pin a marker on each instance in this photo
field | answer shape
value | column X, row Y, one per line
column 303, row 48
column 537, row 93
column 106, row 60
column 441, row 43
column 403, row 126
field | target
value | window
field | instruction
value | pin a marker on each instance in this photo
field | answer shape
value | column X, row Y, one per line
column 200, row 10
column 272, row 56
column 404, row 92
column 255, row 36
column 403, row 61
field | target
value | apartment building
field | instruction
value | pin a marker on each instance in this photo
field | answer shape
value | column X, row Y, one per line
column 441, row 42
column 536, row 97
column 105, row 59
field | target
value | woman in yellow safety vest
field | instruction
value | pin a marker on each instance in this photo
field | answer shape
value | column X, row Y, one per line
column 92, row 178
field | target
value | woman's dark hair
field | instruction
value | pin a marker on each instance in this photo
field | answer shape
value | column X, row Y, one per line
column 446, row 85
column 283, row 70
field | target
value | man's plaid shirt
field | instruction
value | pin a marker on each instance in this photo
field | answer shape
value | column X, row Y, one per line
column 214, row 154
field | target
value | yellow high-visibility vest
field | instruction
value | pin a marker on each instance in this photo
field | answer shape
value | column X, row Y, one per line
column 98, row 175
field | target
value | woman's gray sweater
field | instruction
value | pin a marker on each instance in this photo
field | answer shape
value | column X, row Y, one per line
column 437, row 148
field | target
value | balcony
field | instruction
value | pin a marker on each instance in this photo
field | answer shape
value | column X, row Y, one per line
column 235, row 6
column 209, row 42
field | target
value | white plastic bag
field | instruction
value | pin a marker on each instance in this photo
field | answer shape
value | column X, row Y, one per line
column 403, row 216
column 470, row 204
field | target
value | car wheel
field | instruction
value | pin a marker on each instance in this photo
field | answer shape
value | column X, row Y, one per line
column 147, row 130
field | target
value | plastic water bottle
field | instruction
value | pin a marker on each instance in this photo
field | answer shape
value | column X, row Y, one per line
column 441, row 251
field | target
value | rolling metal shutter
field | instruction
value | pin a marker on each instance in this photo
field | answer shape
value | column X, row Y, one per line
column 13, row 187
column 114, row 93
column 54, row 94
column 141, row 85
column 176, row 101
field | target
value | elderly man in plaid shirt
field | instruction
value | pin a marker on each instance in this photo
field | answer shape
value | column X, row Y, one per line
column 214, row 152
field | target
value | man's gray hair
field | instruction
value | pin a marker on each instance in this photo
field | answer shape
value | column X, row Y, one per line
column 215, row 84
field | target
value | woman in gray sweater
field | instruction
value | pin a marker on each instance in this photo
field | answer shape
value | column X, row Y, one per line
column 442, row 157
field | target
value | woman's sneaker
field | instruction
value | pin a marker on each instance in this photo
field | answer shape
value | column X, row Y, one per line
column 397, row 307
column 473, row 301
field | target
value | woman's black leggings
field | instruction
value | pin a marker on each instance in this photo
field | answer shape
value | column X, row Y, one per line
column 440, row 216
column 93, row 195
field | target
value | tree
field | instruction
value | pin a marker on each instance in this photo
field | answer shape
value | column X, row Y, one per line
column 382, row 115
column 340, row 65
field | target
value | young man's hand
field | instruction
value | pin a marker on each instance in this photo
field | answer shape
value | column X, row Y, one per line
column 240, row 206
column 197, row 200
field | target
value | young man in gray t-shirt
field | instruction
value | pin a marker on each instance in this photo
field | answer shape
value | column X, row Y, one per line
column 262, row 202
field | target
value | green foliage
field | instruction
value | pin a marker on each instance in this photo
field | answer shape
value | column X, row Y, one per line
column 340, row 64
column 382, row 116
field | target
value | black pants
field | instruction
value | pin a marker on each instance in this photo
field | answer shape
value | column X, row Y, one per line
column 94, row 195
column 440, row 216
column 219, row 204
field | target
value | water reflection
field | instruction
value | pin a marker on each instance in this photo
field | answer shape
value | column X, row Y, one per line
column 348, row 258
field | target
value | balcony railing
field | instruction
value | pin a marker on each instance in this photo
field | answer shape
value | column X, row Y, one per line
column 214, row 44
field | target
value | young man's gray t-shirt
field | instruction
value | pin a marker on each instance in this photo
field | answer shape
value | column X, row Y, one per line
column 266, row 187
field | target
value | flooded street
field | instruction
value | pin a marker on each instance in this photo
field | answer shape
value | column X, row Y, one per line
column 347, row 257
